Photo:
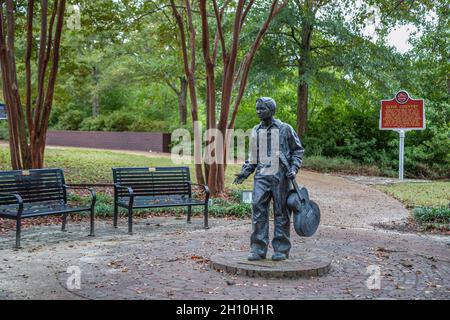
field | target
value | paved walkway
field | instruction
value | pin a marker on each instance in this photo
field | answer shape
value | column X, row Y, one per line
column 168, row 259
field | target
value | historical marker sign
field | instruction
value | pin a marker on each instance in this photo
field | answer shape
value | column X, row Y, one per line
column 402, row 113
column 3, row 115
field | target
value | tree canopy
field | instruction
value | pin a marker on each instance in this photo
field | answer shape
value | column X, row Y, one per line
column 327, row 63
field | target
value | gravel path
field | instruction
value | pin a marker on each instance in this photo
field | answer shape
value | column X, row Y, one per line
column 346, row 203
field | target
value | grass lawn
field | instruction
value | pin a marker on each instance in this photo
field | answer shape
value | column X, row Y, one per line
column 434, row 194
column 94, row 166
column 430, row 203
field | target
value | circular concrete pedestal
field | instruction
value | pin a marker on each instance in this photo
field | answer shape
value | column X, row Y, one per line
column 298, row 265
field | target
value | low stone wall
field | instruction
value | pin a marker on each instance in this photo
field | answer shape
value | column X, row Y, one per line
column 135, row 141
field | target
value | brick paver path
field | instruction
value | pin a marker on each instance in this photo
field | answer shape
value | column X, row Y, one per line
column 168, row 259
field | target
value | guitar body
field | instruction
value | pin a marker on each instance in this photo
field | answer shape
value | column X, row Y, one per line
column 305, row 212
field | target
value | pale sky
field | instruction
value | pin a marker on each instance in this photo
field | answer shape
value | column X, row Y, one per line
column 398, row 37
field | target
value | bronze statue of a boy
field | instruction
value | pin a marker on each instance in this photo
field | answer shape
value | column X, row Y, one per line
column 272, row 180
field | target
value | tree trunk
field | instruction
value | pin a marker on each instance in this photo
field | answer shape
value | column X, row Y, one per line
column 215, row 168
column 95, row 103
column 182, row 101
column 302, row 108
column 28, row 129
column 189, row 64
column 303, row 69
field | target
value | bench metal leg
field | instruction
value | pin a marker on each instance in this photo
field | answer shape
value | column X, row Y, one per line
column 189, row 215
column 116, row 214
column 130, row 220
column 206, row 226
column 64, row 222
column 18, row 233
column 92, row 221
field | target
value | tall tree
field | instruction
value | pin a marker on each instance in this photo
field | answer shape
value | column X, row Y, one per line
column 233, row 76
column 28, row 126
column 306, row 39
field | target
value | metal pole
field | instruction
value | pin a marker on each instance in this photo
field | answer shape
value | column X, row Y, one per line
column 401, row 154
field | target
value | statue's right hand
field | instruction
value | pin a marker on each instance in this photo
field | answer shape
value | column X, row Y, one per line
column 239, row 179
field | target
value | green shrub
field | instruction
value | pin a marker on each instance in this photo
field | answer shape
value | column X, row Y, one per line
column 435, row 215
column 71, row 120
column 93, row 124
column 4, row 134
column 104, row 207
column 222, row 208
column 433, row 218
column 119, row 121
column 343, row 165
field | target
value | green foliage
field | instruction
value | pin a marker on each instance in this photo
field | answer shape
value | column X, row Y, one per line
column 343, row 165
column 433, row 218
column 4, row 134
column 427, row 214
column 348, row 75
column 221, row 208
column 94, row 124
column 127, row 58
column 71, row 120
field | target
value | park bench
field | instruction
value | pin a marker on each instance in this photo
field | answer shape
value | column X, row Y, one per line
column 36, row 193
column 138, row 188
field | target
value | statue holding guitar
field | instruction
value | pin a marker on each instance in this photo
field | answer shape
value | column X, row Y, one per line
column 276, row 156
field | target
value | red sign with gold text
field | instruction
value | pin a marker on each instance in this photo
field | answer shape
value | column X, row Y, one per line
column 402, row 113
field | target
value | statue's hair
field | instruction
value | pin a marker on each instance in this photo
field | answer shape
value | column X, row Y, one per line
column 269, row 102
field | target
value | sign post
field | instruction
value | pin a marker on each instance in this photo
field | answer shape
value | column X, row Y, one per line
column 401, row 155
column 402, row 114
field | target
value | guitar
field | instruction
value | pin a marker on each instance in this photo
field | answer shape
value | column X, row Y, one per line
column 306, row 213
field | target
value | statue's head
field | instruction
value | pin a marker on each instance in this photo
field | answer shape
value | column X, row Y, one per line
column 265, row 108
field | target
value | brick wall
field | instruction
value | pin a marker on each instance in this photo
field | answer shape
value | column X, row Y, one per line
column 135, row 141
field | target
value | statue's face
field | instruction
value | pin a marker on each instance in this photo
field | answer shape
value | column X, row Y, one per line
column 263, row 111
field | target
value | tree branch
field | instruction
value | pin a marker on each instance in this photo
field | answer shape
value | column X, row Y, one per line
column 244, row 15
column 173, row 87
column 247, row 61
column 28, row 63
column 228, row 79
column 219, row 30
column 41, row 64
column 53, row 73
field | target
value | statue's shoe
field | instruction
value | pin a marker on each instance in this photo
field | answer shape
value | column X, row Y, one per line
column 278, row 256
column 254, row 257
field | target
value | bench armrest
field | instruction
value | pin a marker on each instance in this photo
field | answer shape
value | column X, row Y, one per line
column 205, row 188
column 130, row 192
column 77, row 187
column 130, row 189
column 19, row 201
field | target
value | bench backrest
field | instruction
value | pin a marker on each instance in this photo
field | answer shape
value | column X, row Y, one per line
column 156, row 181
column 36, row 185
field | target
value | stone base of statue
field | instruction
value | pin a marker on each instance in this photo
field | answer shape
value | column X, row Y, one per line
column 299, row 264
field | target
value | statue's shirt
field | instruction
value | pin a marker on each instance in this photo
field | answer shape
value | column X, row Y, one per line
column 266, row 145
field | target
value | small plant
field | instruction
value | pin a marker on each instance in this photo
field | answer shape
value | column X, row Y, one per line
column 433, row 218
